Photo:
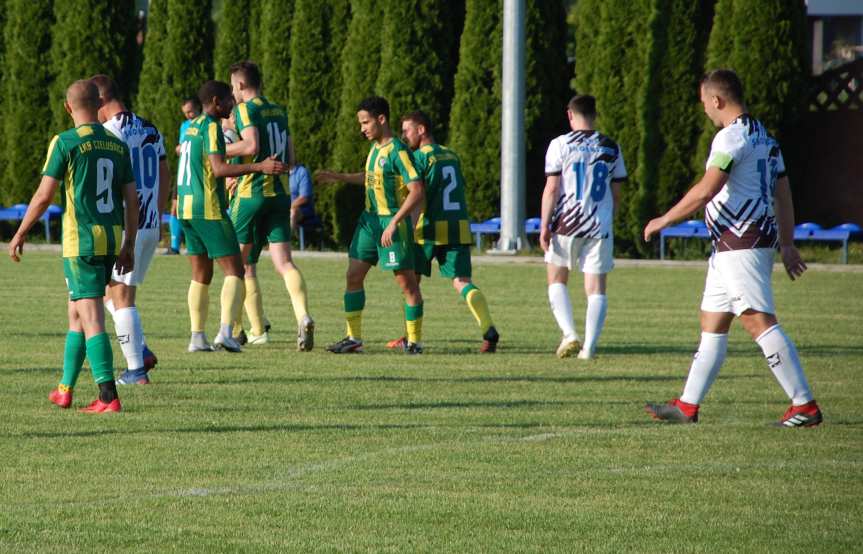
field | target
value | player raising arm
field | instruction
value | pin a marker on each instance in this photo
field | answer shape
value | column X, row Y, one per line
column 92, row 169
column 745, row 194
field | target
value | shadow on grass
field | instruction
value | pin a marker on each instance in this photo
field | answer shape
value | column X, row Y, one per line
column 482, row 404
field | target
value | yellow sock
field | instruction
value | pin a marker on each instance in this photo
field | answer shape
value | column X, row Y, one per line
column 199, row 302
column 354, row 321
column 238, row 328
column 478, row 307
column 297, row 289
column 233, row 294
column 415, row 330
column 254, row 305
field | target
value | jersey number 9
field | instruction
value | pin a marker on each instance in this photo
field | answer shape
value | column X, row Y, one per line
column 104, row 178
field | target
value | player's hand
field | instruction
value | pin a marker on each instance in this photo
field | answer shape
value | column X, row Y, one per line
column 16, row 248
column 544, row 239
column 125, row 259
column 387, row 236
column 792, row 261
column 326, row 176
column 230, row 185
column 654, row 226
column 273, row 165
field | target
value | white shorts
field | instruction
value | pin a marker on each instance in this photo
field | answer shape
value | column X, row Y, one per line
column 593, row 255
column 739, row 280
column 145, row 247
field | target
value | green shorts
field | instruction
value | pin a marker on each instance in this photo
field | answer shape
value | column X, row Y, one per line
column 262, row 218
column 366, row 243
column 87, row 276
column 453, row 259
column 214, row 237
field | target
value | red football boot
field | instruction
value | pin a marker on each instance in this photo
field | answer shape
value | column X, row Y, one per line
column 98, row 407
column 397, row 344
column 807, row 415
column 61, row 396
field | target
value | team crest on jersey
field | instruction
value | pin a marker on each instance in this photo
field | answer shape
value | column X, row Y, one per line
column 382, row 162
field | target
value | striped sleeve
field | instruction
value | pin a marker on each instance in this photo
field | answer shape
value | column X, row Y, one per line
column 55, row 161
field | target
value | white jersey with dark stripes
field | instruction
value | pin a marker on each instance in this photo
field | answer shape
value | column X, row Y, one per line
column 146, row 149
column 588, row 162
column 741, row 215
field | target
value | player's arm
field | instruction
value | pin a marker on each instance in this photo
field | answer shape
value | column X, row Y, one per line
column 126, row 256
column 164, row 186
column 248, row 146
column 783, row 207
column 324, row 176
column 696, row 198
column 38, row 204
column 549, row 197
column 414, row 199
column 221, row 168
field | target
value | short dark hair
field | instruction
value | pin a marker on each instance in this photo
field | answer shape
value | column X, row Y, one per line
column 213, row 89
column 725, row 83
column 419, row 117
column 108, row 89
column 375, row 105
column 192, row 100
column 584, row 105
column 249, row 72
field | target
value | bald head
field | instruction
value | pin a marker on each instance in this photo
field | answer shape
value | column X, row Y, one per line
column 83, row 95
column 108, row 90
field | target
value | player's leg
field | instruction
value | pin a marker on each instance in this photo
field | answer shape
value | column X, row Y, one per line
column 295, row 283
column 558, row 260
column 454, row 262
column 363, row 254
column 596, row 260
column 407, row 281
column 176, row 229
column 74, row 353
column 254, row 300
column 716, row 317
column 759, row 319
column 130, row 333
column 199, row 287
column 233, row 294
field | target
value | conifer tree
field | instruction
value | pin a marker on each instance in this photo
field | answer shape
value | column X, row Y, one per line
column 275, row 32
column 232, row 36
column 27, row 111
column 416, row 57
column 475, row 122
column 150, row 101
column 88, row 37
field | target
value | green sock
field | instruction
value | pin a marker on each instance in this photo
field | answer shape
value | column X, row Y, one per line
column 101, row 358
column 73, row 358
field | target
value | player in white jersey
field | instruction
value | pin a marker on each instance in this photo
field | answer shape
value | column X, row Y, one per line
column 150, row 168
column 584, row 173
column 746, row 196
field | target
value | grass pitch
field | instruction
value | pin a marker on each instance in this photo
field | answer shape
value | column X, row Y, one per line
column 275, row 451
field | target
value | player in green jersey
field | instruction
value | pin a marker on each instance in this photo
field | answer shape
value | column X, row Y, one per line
column 261, row 207
column 443, row 228
column 92, row 169
column 202, row 208
column 394, row 189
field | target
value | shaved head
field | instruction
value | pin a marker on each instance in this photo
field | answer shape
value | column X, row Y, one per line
column 108, row 89
column 83, row 95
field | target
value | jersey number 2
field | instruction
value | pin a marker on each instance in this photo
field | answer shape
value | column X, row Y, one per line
column 449, row 178
column 104, row 178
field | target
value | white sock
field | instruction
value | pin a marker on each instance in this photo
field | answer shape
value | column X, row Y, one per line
column 783, row 361
column 561, row 307
column 705, row 367
column 127, row 324
column 226, row 329
column 597, row 306
column 109, row 306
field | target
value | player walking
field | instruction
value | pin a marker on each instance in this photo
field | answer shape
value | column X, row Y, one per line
column 443, row 228
column 394, row 189
column 262, row 204
column 747, row 195
column 584, row 173
column 92, row 169
column 202, row 208
column 152, row 182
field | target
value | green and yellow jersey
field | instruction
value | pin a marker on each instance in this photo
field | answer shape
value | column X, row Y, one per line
column 443, row 219
column 271, row 120
column 389, row 169
column 200, row 194
column 92, row 166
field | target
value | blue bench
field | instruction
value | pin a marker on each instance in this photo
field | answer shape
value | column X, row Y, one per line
column 492, row 227
column 16, row 213
column 805, row 231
